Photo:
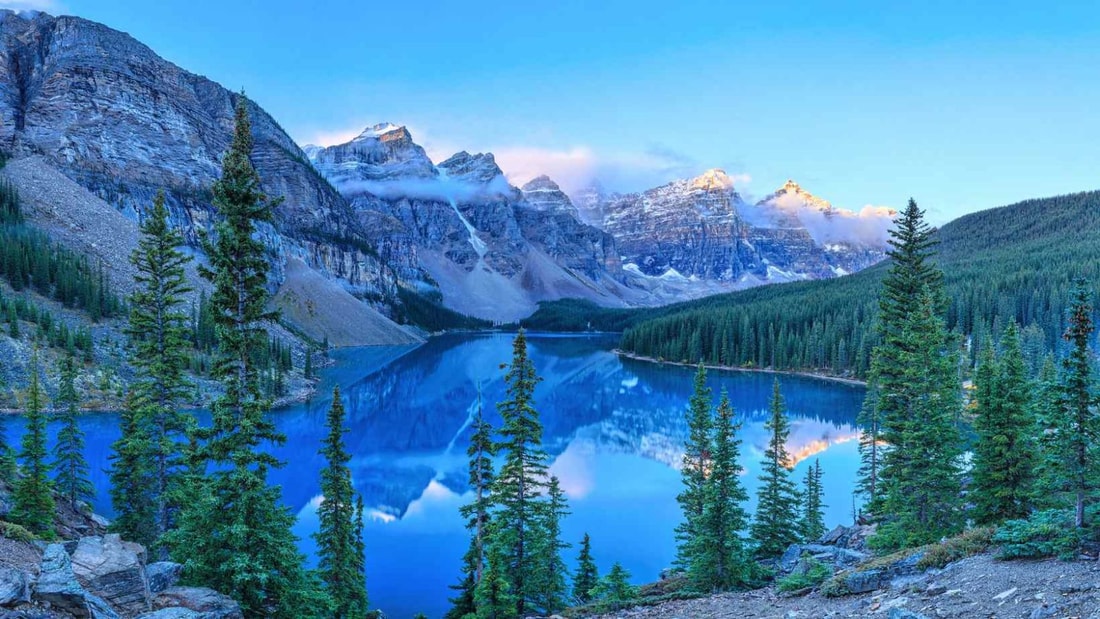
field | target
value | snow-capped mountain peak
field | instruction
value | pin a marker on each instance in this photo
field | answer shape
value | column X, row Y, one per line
column 380, row 131
column 792, row 190
column 712, row 179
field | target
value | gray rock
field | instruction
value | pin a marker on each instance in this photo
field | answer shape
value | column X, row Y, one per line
column 162, row 575
column 840, row 557
column 790, row 558
column 26, row 613
column 114, row 570
column 901, row 613
column 1046, row 611
column 14, row 586
column 58, row 586
column 866, row 581
column 208, row 603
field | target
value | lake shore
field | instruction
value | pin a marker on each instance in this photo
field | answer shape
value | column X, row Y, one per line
column 828, row 377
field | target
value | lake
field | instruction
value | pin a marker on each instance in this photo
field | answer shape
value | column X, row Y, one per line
column 614, row 428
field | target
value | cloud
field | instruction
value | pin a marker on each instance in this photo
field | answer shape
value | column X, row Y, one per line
column 869, row 226
column 46, row 6
column 575, row 168
column 446, row 189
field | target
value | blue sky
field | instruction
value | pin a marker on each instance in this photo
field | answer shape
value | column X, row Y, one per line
column 861, row 102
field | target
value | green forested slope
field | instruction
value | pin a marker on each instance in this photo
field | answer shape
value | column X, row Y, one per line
column 1013, row 262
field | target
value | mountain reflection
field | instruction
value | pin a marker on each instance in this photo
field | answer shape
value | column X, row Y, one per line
column 408, row 413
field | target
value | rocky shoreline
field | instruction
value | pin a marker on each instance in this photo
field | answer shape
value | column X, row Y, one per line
column 731, row 368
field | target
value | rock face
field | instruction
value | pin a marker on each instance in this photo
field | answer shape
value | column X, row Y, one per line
column 110, row 114
column 14, row 586
column 114, row 569
column 58, row 586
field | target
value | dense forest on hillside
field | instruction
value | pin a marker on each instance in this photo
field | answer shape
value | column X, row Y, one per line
column 1010, row 263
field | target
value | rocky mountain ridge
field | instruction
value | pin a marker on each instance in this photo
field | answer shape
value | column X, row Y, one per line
column 375, row 216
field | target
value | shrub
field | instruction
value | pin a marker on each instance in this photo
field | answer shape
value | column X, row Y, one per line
column 966, row 544
column 1044, row 534
column 809, row 575
column 15, row 532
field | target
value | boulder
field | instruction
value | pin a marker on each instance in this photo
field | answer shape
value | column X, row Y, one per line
column 790, row 558
column 208, row 603
column 14, row 586
column 114, row 570
column 162, row 575
column 864, row 582
column 26, row 613
column 57, row 585
column 839, row 556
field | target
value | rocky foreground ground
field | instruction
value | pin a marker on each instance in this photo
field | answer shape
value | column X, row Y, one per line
column 976, row 587
column 957, row 578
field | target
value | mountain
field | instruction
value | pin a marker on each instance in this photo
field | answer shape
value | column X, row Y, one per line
column 701, row 229
column 460, row 232
column 105, row 111
column 375, row 217
column 1012, row 263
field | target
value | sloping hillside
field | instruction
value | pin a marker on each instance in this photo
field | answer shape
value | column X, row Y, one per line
column 1015, row 262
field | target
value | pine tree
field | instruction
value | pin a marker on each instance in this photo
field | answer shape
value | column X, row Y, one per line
column 477, row 514
column 1079, row 427
column 72, row 481
column 911, row 274
column 1004, row 456
column 235, row 534
column 338, row 560
column 719, row 559
column 132, row 483
column 693, row 471
column 1054, row 482
column 587, row 575
column 614, row 590
column 812, row 526
column 494, row 597
column 775, row 526
column 870, row 452
column 33, row 493
column 522, row 479
column 548, row 580
column 920, row 471
column 158, row 333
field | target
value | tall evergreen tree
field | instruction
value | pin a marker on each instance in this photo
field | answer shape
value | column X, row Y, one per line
column 870, row 451
column 132, row 479
column 521, row 482
column 587, row 575
column 337, row 549
column 477, row 513
column 812, row 526
column 920, row 470
column 550, row 591
column 693, row 470
column 1080, row 427
column 912, row 273
column 719, row 559
column 1054, row 481
column 1004, row 456
column 775, row 526
column 235, row 535
column 33, row 493
column 158, row 333
column 72, row 481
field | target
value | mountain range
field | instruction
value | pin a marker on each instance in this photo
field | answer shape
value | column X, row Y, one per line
column 372, row 223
